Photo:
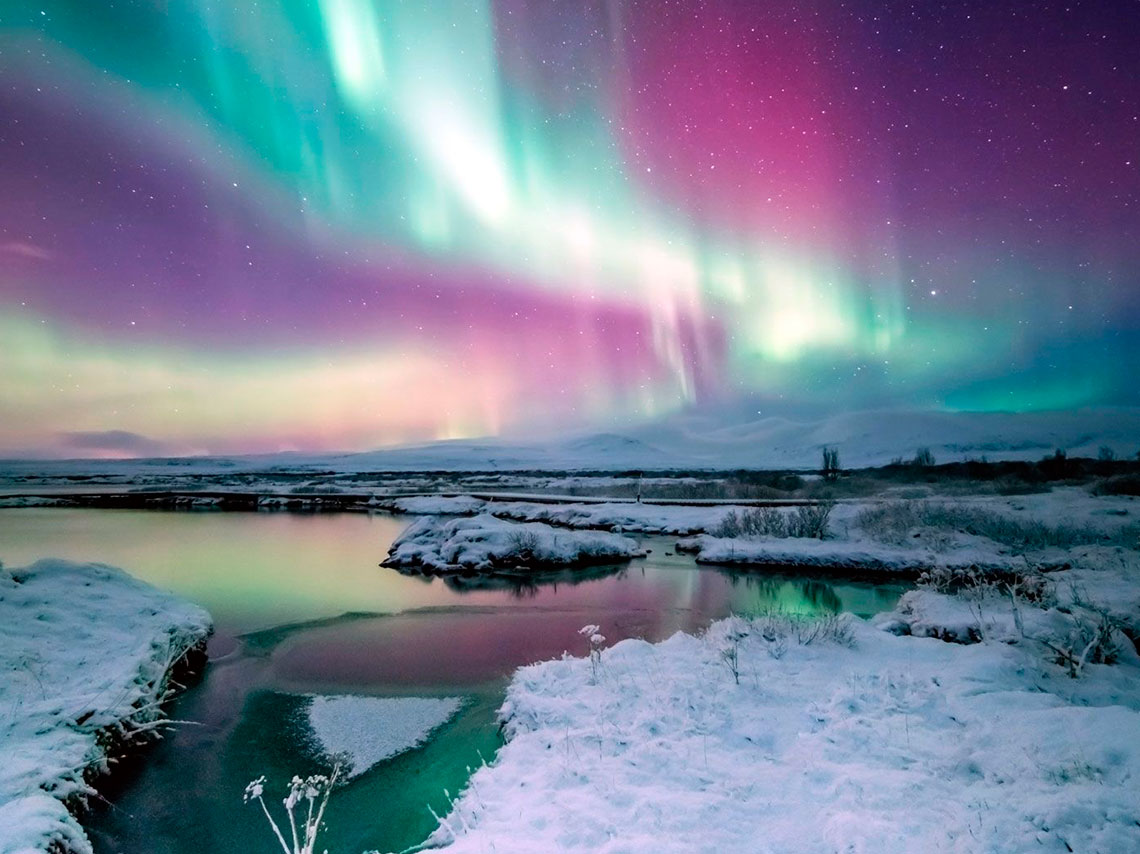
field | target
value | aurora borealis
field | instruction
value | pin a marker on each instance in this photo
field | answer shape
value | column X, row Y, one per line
column 338, row 224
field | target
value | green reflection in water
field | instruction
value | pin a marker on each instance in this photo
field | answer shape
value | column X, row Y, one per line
column 248, row 570
column 257, row 570
column 386, row 808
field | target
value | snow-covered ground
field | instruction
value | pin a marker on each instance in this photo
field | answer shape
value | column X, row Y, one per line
column 909, row 536
column 368, row 730
column 85, row 653
column 779, row 735
column 860, row 555
column 485, row 543
column 615, row 516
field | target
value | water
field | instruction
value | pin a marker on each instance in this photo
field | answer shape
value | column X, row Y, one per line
column 301, row 606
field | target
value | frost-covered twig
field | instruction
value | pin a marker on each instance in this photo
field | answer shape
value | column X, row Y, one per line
column 596, row 639
column 314, row 791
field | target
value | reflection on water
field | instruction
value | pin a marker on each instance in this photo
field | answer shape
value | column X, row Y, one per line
column 255, row 570
column 524, row 585
column 250, row 570
column 277, row 585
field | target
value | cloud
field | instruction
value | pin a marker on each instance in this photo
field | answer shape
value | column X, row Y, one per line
column 119, row 443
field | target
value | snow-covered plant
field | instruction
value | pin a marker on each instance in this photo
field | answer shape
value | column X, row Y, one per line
column 810, row 520
column 897, row 521
column 776, row 626
column 595, row 639
column 1094, row 637
column 807, row 521
column 730, row 653
column 731, row 656
column 831, row 628
column 304, row 808
column 524, row 543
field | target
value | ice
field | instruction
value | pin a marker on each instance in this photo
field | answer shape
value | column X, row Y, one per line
column 371, row 729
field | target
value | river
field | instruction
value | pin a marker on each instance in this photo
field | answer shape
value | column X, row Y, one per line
column 302, row 607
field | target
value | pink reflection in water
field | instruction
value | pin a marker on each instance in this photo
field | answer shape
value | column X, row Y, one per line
column 470, row 645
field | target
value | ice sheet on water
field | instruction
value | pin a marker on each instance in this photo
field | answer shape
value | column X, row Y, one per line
column 372, row 729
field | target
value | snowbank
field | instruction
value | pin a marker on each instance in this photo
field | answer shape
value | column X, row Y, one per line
column 33, row 501
column 371, row 729
column 1097, row 603
column 615, row 516
column 435, row 505
column 856, row 555
column 992, row 534
column 484, row 543
column 889, row 744
column 1070, row 508
column 86, row 653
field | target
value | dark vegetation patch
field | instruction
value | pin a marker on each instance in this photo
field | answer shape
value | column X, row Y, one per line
column 326, row 490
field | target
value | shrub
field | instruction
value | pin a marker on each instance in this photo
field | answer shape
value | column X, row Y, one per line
column 524, row 543
column 809, row 520
column 1125, row 484
column 1058, row 466
column 776, row 626
column 1027, row 583
column 1094, row 637
column 923, row 458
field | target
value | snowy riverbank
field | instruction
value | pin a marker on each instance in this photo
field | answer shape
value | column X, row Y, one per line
column 901, row 536
column 782, row 735
column 87, row 654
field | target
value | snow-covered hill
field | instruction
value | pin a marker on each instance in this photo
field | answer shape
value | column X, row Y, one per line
column 693, row 440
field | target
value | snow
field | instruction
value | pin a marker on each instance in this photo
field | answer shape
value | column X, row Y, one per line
column 85, row 649
column 485, row 543
column 849, row 739
column 931, row 535
column 616, row 516
column 838, row 555
column 32, row 501
column 436, row 505
column 725, row 439
column 371, row 729
column 705, row 438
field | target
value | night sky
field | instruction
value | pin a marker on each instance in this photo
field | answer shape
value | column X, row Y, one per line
column 337, row 224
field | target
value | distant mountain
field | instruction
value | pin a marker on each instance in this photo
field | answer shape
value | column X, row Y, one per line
column 876, row 437
column 692, row 440
column 623, row 451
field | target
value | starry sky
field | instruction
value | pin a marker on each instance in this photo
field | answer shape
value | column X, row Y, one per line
column 339, row 224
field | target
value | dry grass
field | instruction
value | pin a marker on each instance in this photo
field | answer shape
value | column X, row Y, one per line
column 894, row 523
